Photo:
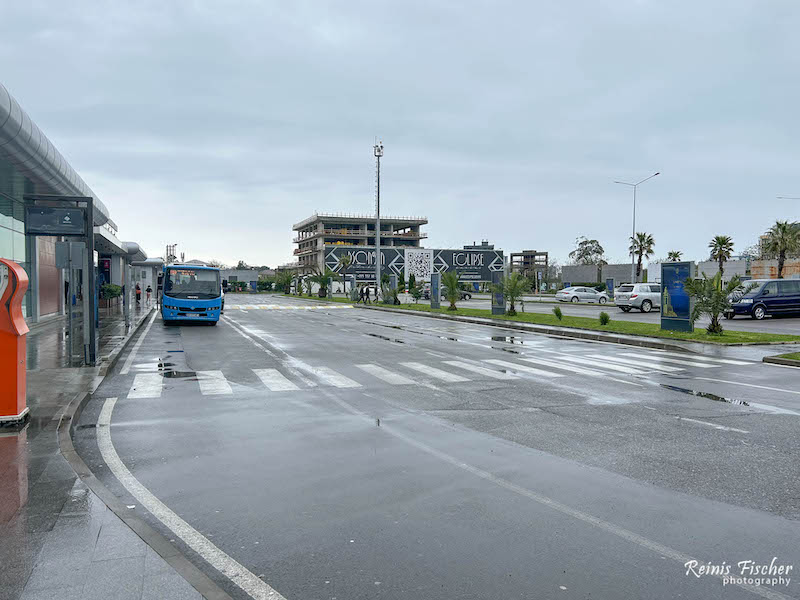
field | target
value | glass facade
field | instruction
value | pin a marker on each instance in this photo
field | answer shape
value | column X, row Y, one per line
column 13, row 186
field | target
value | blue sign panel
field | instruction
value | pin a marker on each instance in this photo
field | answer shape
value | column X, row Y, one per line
column 610, row 287
column 436, row 292
column 676, row 305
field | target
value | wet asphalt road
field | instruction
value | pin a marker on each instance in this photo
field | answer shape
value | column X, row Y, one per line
column 345, row 453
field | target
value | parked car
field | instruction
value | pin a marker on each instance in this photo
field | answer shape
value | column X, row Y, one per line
column 644, row 296
column 770, row 297
column 581, row 294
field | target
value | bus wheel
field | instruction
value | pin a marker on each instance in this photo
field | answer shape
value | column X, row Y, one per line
column 212, row 323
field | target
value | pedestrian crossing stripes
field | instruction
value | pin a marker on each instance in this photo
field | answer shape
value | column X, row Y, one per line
column 544, row 365
column 286, row 307
column 275, row 380
column 695, row 357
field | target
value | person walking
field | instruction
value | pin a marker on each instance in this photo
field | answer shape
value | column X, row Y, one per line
column 149, row 291
column 138, row 295
column 361, row 295
column 366, row 296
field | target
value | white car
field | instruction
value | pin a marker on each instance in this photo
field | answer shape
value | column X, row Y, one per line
column 644, row 296
column 581, row 294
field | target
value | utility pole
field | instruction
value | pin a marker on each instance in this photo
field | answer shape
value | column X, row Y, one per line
column 378, row 151
column 633, row 232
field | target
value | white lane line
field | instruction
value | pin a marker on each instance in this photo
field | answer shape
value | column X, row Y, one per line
column 677, row 361
column 146, row 385
column 385, row 374
column 773, row 409
column 275, row 380
column 725, row 361
column 478, row 370
column 636, row 363
column 239, row 575
column 213, row 383
column 579, row 515
column 763, row 387
column 602, row 364
column 132, row 356
column 580, row 370
column 333, row 378
column 434, row 372
column 521, row 368
column 714, row 425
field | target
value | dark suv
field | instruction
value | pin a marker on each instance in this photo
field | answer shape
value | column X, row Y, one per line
column 779, row 296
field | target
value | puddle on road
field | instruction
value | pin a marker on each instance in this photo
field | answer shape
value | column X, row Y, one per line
column 383, row 337
column 706, row 395
column 508, row 338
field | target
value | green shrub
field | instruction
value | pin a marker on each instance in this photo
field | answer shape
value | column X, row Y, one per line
column 110, row 290
column 604, row 318
column 557, row 312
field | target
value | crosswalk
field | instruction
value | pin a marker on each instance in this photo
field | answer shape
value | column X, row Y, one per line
column 542, row 366
column 289, row 307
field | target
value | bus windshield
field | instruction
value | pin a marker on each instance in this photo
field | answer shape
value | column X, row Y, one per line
column 192, row 283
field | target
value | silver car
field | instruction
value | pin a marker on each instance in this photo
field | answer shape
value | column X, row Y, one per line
column 581, row 294
column 644, row 296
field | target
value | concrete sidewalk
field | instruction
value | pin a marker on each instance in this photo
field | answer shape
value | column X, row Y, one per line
column 57, row 538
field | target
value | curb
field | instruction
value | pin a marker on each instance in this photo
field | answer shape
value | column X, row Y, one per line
column 568, row 333
column 786, row 362
column 160, row 544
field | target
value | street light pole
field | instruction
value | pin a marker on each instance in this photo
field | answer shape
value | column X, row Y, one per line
column 378, row 151
column 633, row 230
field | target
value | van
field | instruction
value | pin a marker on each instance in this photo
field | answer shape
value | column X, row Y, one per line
column 778, row 296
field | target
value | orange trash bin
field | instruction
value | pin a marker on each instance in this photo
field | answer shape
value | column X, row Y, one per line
column 13, row 331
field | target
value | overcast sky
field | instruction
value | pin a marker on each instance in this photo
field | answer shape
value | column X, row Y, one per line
column 217, row 125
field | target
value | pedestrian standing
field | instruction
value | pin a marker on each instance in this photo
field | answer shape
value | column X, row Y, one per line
column 366, row 296
column 149, row 291
column 361, row 294
column 138, row 295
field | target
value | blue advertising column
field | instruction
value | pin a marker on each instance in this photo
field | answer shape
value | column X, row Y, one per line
column 676, row 305
column 498, row 298
column 436, row 290
column 610, row 287
column 330, row 287
column 351, row 286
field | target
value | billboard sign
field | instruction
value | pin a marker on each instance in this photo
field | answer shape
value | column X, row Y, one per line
column 471, row 265
column 48, row 220
column 676, row 305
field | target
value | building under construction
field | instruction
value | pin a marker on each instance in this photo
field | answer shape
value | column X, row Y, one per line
column 529, row 263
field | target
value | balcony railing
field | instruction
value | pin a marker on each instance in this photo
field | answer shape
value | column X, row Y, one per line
column 361, row 234
column 298, row 251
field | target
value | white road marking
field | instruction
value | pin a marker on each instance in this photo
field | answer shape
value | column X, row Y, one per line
column 579, row 370
column 385, row 374
column 522, row 368
column 636, row 363
column 763, row 387
column 213, row 383
column 478, row 370
column 333, row 378
column 275, row 380
column 714, row 425
column 773, row 409
column 146, row 385
column 725, row 361
column 602, row 364
column 132, row 356
column 579, row 515
column 239, row 575
column 434, row 372
column 697, row 364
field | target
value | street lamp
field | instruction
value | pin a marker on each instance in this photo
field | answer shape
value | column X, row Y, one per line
column 633, row 234
column 378, row 151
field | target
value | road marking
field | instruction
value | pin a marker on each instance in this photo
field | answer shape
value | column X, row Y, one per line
column 146, row 385
column 333, row 378
column 630, row 536
column 275, row 380
column 726, row 361
column 714, row 425
column 763, row 387
column 239, row 575
column 132, row 356
column 521, row 368
column 636, row 363
column 213, row 383
column 385, row 374
column 678, row 361
column 579, row 370
column 434, row 372
column 479, row 370
column 603, row 365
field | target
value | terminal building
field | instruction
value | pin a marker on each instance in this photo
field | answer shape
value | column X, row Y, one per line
column 31, row 165
column 320, row 233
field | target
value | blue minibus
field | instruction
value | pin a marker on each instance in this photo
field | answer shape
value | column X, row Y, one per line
column 191, row 293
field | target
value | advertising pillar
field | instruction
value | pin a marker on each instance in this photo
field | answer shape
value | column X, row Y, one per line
column 436, row 290
column 498, row 298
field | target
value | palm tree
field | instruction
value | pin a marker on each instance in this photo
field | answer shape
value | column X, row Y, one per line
column 321, row 279
column 721, row 250
column 674, row 255
column 283, row 281
column 711, row 299
column 345, row 260
column 513, row 287
column 782, row 238
column 452, row 293
column 642, row 246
